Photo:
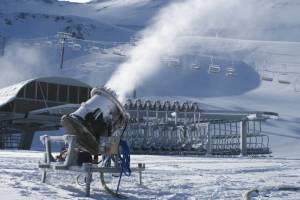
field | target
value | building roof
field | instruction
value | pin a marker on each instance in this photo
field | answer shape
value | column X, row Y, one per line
column 9, row 93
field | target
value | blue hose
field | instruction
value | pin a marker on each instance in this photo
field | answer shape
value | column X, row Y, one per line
column 125, row 158
column 124, row 161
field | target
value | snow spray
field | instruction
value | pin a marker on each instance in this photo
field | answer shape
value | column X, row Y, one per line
column 161, row 39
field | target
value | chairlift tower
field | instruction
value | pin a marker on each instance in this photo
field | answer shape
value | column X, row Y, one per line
column 62, row 40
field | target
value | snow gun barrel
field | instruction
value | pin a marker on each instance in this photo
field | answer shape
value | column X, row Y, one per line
column 101, row 116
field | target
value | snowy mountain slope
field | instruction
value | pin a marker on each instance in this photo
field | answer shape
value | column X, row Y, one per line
column 278, row 19
column 43, row 18
column 130, row 14
column 133, row 14
column 31, row 25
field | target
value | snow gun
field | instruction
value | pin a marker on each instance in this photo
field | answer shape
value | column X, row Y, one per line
column 95, row 128
column 99, row 121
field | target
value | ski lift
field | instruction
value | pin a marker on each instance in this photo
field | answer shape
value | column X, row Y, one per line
column 230, row 72
column 283, row 78
column 267, row 75
column 172, row 62
column 94, row 49
column 76, row 47
column 70, row 44
column 195, row 66
column 119, row 52
column 104, row 51
column 213, row 68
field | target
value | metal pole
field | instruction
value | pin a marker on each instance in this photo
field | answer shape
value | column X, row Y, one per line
column 243, row 137
column 208, row 140
column 62, row 52
column 62, row 38
column 88, row 176
column 44, row 175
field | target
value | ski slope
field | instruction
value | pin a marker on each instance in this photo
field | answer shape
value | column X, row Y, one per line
column 166, row 177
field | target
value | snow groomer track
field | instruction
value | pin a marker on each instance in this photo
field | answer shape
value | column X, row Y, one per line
column 183, row 128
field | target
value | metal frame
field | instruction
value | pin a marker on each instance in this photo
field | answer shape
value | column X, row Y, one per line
column 70, row 164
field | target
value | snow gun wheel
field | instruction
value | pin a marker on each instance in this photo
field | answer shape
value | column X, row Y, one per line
column 111, row 191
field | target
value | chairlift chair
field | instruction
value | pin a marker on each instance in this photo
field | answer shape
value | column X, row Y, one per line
column 283, row 78
column 195, row 66
column 230, row 72
column 213, row 68
column 119, row 52
column 267, row 75
column 171, row 62
column 94, row 49
column 76, row 47
column 70, row 44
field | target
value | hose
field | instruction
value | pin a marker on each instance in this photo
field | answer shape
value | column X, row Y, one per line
column 255, row 192
column 124, row 161
column 78, row 180
column 250, row 193
column 125, row 158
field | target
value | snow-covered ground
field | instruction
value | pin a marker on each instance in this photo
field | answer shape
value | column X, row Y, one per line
column 166, row 177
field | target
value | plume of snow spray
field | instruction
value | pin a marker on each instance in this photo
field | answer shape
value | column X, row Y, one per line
column 161, row 39
column 255, row 19
column 20, row 63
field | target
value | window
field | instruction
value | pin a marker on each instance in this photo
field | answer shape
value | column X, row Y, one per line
column 21, row 93
column 52, row 92
column 63, row 93
column 83, row 94
column 73, row 94
column 89, row 92
column 30, row 90
column 8, row 107
column 41, row 90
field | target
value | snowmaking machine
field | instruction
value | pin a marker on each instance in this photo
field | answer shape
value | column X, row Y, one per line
column 95, row 129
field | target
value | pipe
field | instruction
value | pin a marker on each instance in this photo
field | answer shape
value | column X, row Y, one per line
column 255, row 192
